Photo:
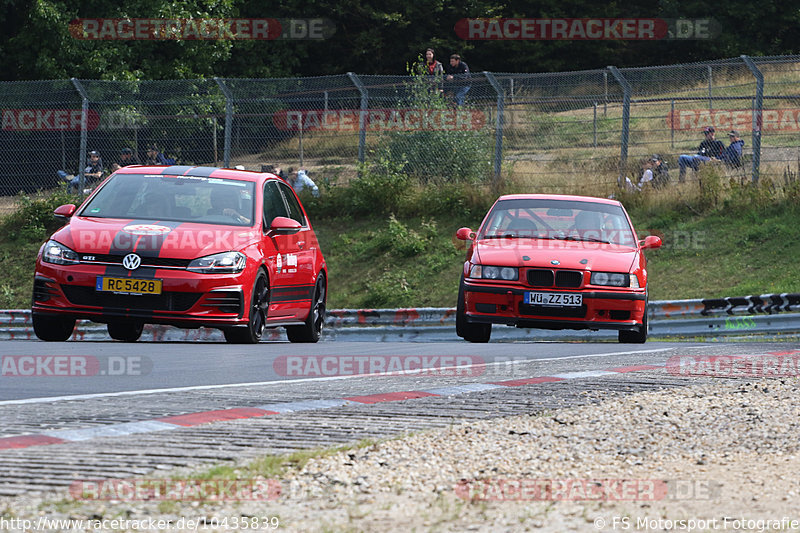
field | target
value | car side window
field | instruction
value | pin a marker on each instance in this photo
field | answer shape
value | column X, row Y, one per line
column 295, row 212
column 273, row 203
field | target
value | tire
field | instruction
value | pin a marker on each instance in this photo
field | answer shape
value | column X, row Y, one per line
column 636, row 337
column 256, row 316
column 312, row 329
column 466, row 330
column 125, row 331
column 53, row 328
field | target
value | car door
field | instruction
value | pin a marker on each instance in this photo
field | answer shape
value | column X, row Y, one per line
column 282, row 251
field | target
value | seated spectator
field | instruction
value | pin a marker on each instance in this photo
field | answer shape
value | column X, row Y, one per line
column 732, row 156
column 710, row 149
column 299, row 180
column 154, row 157
column 126, row 157
column 92, row 173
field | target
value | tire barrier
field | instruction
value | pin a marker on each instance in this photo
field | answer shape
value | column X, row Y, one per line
column 767, row 314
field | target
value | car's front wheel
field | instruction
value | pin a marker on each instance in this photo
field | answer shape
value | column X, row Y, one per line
column 257, row 315
column 312, row 329
column 468, row 331
column 53, row 328
column 125, row 331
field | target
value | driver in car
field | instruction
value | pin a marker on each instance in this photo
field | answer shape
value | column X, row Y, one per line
column 224, row 201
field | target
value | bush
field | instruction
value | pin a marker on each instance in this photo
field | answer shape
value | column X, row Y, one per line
column 438, row 155
column 33, row 220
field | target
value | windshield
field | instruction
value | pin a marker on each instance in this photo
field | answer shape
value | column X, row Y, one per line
column 178, row 198
column 558, row 220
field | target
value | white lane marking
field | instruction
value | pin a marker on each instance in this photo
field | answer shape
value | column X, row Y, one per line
column 113, row 430
column 584, row 374
column 289, row 407
column 303, row 380
column 463, row 389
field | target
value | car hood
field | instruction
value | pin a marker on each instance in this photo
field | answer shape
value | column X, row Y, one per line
column 179, row 240
column 573, row 255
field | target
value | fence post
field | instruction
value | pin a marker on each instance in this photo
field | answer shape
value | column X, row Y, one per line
column 500, row 121
column 594, row 125
column 626, row 118
column 362, row 116
column 672, row 124
column 757, row 111
column 84, row 132
column 710, row 85
column 226, row 151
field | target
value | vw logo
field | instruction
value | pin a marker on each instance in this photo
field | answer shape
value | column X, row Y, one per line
column 555, row 262
column 131, row 261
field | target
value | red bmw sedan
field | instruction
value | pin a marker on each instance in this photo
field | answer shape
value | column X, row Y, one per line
column 554, row 262
column 184, row 246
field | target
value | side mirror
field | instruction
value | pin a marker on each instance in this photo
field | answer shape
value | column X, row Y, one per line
column 651, row 241
column 64, row 212
column 465, row 234
column 284, row 226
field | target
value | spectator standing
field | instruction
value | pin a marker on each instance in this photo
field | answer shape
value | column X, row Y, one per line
column 432, row 66
column 299, row 180
column 710, row 149
column 458, row 75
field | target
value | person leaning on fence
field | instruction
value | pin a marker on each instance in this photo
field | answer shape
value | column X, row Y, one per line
column 732, row 155
column 457, row 75
column 299, row 181
column 709, row 150
column 93, row 172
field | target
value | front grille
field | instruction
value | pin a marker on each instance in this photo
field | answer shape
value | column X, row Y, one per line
column 569, row 279
column 166, row 301
column 545, row 310
column 146, row 261
column 540, row 278
column 565, row 279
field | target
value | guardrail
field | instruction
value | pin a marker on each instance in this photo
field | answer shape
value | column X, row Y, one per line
column 711, row 317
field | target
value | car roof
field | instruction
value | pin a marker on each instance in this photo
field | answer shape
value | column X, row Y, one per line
column 569, row 197
column 205, row 172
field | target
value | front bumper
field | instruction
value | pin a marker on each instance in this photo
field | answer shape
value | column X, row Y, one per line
column 621, row 309
column 188, row 299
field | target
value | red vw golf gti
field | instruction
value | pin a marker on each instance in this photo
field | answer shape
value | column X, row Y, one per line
column 554, row 262
column 185, row 246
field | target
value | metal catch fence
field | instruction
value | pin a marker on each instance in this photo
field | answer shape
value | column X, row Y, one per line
column 576, row 131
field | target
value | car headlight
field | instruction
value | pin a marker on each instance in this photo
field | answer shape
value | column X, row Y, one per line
column 222, row 263
column 494, row 272
column 613, row 279
column 56, row 253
